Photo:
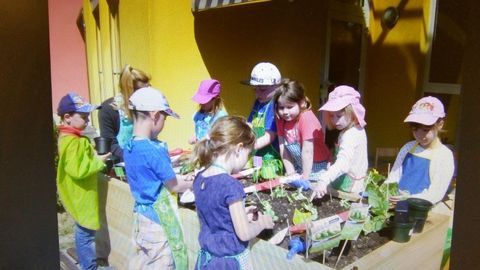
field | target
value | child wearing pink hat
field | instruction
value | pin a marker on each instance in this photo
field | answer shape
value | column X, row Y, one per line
column 211, row 108
column 424, row 167
column 344, row 112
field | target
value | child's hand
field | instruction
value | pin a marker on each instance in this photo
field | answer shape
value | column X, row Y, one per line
column 104, row 157
column 319, row 190
column 252, row 213
column 265, row 221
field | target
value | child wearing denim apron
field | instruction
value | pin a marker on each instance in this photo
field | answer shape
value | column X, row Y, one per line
column 300, row 134
column 424, row 167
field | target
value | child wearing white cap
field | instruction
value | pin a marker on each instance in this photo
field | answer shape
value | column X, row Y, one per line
column 157, row 233
column 265, row 78
column 345, row 113
column 424, row 167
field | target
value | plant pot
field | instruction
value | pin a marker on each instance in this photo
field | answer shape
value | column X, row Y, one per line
column 402, row 232
column 418, row 211
column 103, row 145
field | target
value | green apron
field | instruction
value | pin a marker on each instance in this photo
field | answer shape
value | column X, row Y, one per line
column 272, row 165
column 344, row 182
column 169, row 219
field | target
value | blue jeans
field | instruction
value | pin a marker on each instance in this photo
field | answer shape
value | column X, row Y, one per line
column 85, row 245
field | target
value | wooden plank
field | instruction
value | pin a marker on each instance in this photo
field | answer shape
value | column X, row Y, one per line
column 423, row 251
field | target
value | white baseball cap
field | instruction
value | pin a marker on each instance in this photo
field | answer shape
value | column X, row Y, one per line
column 150, row 99
column 264, row 73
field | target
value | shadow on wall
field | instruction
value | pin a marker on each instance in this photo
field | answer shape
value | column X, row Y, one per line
column 232, row 40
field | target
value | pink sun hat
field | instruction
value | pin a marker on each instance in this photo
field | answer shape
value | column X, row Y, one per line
column 426, row 111
column 207, row 90
column 341, row 97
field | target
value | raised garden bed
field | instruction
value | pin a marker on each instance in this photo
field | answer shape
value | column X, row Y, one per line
column 423, row 251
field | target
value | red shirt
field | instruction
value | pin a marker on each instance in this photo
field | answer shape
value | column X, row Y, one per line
column 306, row 127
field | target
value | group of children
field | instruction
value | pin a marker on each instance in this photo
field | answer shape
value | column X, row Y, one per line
column 281, row 125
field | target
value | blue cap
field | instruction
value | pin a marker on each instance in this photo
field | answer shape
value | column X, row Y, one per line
column 72, row 102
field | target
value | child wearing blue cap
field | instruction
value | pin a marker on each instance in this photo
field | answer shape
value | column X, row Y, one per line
column 78, row 165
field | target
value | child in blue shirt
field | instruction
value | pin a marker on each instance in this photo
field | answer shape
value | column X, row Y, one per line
column 211, row 108
column 226, row 225
column 157, row 232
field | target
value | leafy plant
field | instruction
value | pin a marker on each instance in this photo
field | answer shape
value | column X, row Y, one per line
column 268, row 210
column 378, row 193
column 345, row 203
column 308, row 206
column 279, row 192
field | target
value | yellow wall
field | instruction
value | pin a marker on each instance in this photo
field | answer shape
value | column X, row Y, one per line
column 179, row 48
column 395, row 62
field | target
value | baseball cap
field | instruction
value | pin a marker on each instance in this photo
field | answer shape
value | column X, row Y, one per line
column 264, row 73
column 150, row 99
column 341, row 97
column 207, row 90
column 426, row 111
column 72, row 102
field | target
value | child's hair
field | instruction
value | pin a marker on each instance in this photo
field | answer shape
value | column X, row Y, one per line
column 437, row 125
column 349, row 114
column 293, row 91
column 131, row 79
column 225, row 133
column 217, row 105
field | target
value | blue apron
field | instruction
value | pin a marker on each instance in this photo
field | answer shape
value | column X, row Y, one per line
column 126, row 129
column 295, row 150
column 415, row 173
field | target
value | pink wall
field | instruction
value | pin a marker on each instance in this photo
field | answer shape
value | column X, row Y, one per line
column 67, row 50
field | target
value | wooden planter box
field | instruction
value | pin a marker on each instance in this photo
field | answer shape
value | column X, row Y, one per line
column 423, row 251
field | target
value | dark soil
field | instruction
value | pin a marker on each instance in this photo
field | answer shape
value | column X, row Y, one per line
column 326, row 207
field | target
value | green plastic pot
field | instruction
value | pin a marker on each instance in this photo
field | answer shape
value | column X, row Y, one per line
column 418, row 211
column 402, row 232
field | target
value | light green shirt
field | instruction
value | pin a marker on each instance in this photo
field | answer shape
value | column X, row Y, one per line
column 77, row 179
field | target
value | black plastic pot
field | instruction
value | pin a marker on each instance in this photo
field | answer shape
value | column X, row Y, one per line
column 103, row 145
column 401, row 232
column 418, row 211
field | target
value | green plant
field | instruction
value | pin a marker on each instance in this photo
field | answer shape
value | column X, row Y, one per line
column 378, row 193
column 267, row 208
column 308, row 206
column 279, row 192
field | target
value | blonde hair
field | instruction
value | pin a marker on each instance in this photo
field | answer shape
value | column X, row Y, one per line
column 226, row 133
column 349, row 113
column 217, row 105
column 131, row 79
column 293, row 91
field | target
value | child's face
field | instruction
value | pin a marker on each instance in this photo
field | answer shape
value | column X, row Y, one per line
column 208, row 107
column 240, row 158
column 340, row 119
column 424, row 135
column 77, row 120
column 264, row 92
column 159, row 119
column 288, row 110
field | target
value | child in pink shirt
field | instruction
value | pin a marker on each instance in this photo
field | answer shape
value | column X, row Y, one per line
column 301, row 140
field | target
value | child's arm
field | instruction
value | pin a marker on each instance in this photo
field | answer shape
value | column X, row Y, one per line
column 286, row 158
column 307, row 158
column 180, row 183
column 244, row 229
column 265, row 140
column 81, row 160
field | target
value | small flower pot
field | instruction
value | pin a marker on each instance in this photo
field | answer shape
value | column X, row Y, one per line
column 418, row 211
column 103, row 145
column 401, row 232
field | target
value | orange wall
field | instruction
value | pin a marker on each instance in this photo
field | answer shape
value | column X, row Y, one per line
column 67, row 50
